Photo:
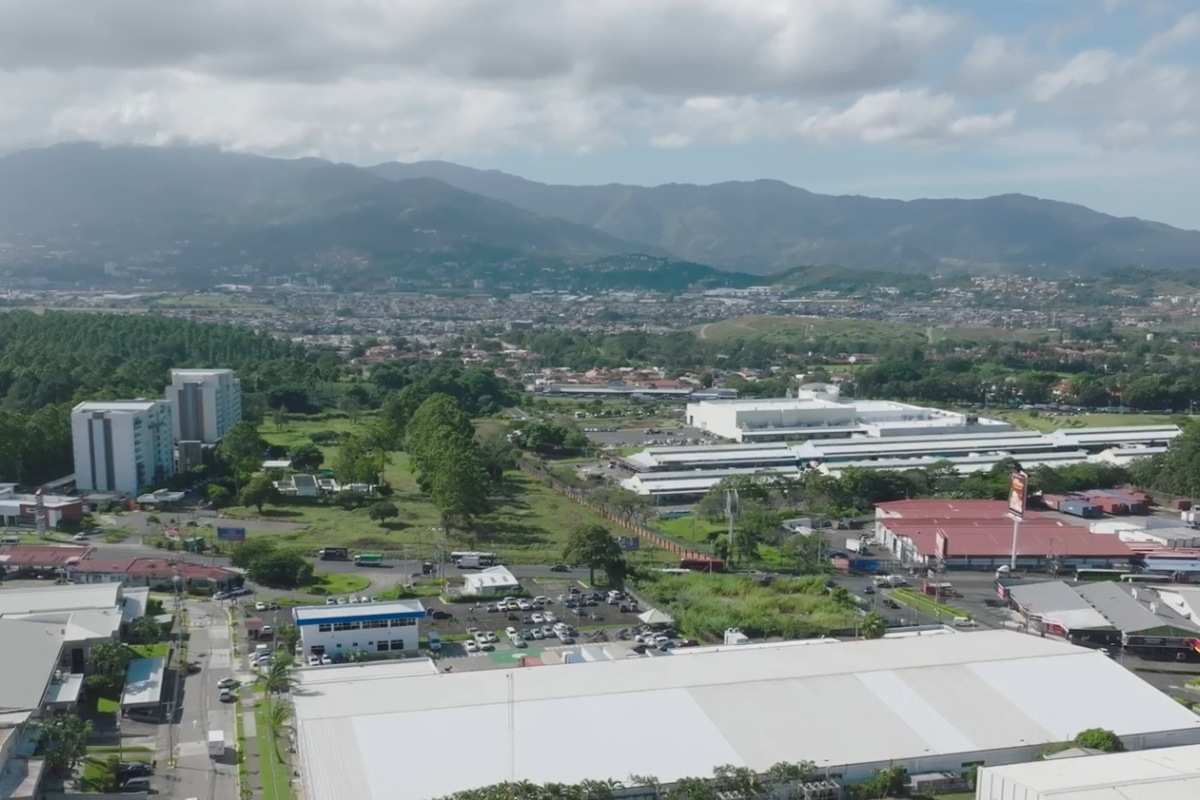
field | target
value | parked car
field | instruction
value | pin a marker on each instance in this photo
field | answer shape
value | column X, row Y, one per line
column 134, row 769
column 331, row 601
column 260, row 606
column 326, row 660
column 560, row 568
column 314, row 661
column 538, row 619
column 549, row 617
column 138, row 784
column 441, row 614
column 472, row 647
column 226, row 695
column 227, row 683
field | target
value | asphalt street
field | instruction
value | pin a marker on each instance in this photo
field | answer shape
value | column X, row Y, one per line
column 196, row 774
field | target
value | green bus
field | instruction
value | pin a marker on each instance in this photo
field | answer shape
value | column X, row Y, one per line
column 1101, row 574
column 369, row 559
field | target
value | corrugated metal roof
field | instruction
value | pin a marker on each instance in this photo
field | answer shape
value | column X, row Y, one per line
column 1128, row 615
column 23, row 679
column 1164, row 774
column 1055, row 601
column 875, row 702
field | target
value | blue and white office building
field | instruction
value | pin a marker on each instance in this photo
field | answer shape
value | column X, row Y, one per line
column 373, row 627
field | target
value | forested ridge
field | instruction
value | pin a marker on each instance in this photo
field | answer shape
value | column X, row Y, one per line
column 50, row 362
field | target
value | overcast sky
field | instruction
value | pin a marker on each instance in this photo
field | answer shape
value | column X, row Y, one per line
column 1090, row 101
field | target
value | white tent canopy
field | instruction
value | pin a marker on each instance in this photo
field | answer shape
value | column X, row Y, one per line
column 652, row 616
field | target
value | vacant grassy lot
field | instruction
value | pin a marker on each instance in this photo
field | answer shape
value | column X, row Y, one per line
column 339, row 583
column 1039, row 421
column 529, row 523
column 705, row 605
column 273, row 770
column 156, row 650
column 853, row 331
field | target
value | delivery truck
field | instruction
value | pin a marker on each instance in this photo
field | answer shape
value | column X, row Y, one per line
column 216, row 744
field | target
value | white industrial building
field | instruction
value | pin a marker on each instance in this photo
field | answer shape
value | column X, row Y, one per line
column 1171, row 773
column 1123, row 436
column 207, row 403
column 963, row 465
column 679, row 486
column 492, row 581
column 122, row 446
column 822, row 414
column 928, row 704
column 328, row 630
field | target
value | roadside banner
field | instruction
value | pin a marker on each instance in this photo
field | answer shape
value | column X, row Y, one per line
column 1017, row 487
column 231, row 534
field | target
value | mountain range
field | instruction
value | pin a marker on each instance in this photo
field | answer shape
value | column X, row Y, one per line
column 207, row 206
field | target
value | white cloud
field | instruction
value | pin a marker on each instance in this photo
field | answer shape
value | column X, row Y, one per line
column 1185, row 29
column 996, row 64
column 363, row 79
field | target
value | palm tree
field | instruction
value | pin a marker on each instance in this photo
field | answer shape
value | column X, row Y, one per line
column 647, row 781
column 280, row 678
column 277, row 721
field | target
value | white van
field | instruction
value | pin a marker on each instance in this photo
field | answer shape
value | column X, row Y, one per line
column 435, row 642
column 964, row 622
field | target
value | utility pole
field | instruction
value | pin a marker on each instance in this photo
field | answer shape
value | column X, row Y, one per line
column 731, row 509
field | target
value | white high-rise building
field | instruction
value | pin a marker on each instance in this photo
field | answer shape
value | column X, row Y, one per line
column 122, row 446
column 207, row 403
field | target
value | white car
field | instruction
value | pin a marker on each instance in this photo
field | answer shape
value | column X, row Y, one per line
column 549, row 617
column 314, row 661
column 364, row 599
column 341, row 601
column 267, row 631
column 325, row 660
column 510, row 632
column 330, row 601
column 260, row 606
column 524, row 605
column 538, row 619
column 353, row 599
column 492, row 637
column 471, row 646
column 226, row 683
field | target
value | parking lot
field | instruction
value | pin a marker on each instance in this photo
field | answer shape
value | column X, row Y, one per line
column 648, row 436
column 583, row 610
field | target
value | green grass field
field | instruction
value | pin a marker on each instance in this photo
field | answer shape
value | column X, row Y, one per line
column 92, row 774
column 271, row 767
column 925, row 604
column 156, row 650
column 340, row 583
column 529, row 524
column 1040, row 421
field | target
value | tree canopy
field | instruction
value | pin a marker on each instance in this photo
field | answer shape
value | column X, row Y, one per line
column 593, row 545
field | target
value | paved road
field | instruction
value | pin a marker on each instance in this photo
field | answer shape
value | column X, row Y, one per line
column 196, row 775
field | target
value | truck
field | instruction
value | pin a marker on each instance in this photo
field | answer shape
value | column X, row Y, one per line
column 216, row 744
column 702, row 564
column 854, row 545
column 333, row 554
column 470, row 562
column 368, row 559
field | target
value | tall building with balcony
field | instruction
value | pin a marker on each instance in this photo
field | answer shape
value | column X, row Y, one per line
column 207, row 403
column 123, row 446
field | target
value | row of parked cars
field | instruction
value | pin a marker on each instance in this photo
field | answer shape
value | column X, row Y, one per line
column 487, row 640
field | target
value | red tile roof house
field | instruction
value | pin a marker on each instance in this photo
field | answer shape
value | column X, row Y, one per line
column 157, row 573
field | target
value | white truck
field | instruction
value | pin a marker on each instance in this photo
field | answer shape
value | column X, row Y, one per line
column 470, row 562
column 216, row 744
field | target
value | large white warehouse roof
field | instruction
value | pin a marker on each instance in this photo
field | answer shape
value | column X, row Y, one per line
column 1171, row 773
column 856, row 703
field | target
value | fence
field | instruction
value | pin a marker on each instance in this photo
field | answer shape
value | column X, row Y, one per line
column 680, row 547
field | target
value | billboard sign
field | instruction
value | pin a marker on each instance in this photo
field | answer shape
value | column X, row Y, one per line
column 630, row 542
column 942, row 545
column 1017, row 487
column 231, row 534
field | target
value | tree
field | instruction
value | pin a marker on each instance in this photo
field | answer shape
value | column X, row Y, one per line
column 592, row 545
column 280, row 677
column 277, row 722
column 873, row 626
column 241, row 450
column 249, row 551
column 754, row 526
column 383, row 511
column 1100, row 739
column 146, row 629
column 261, row 489
column 288, row 637
column 217, row 494
column 357, row 461
column 107, row 662
column 306, row 457
column 279, row 417
column 64, row 739
column 282, row 570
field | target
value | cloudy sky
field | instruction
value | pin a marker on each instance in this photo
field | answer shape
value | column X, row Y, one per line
column 1090, row 101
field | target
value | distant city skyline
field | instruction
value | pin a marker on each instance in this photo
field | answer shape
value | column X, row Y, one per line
column 1095, row 102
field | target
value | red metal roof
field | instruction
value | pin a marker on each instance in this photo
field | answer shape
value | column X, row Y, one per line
column 104, row 565
column 948, row 509
column 40, row 555
column 990, row 538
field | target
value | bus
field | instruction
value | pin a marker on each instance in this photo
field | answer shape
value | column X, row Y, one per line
column 368, row 559
column 487, row 559
column 333, row 553
column 1146, row 577
column 1101, row 574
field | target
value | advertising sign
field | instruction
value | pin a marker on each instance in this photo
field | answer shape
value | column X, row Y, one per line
column 630, row 542
column 1016, row 495
column 231, row 534
column 941, row 545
